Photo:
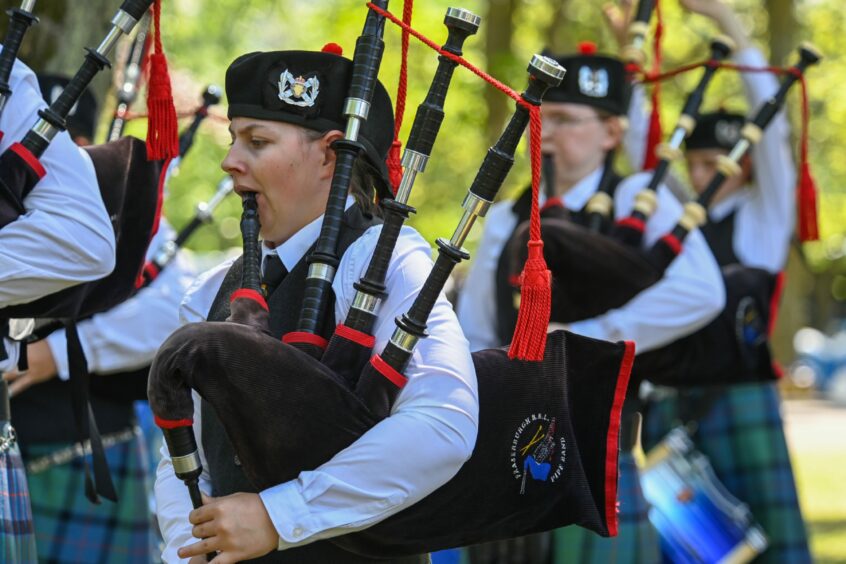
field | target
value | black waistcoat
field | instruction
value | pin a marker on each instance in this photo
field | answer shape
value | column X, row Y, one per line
column 720, row 238
column 284, row 303
column 506, row 292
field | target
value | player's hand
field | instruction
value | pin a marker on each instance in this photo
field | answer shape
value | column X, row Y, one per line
column 42, row 367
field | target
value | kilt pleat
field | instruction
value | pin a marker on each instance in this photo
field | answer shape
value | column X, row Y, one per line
column 69, row 528
column 743, row 436
column 17, row 537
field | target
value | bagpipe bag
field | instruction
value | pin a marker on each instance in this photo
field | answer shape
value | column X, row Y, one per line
column 129, row 186
column 545, row 457
column 592, row 274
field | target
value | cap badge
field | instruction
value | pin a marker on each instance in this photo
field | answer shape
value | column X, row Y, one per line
column 727, row 133
column 593, row 82
column 298, row 91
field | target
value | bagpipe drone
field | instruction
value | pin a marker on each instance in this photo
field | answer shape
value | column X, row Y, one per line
column 335, row 392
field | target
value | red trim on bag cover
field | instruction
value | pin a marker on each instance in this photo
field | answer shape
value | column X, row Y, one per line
column 355, row 336
column 30, row 159
column 632, row 223
column 297, row 337
column 172, row 423
column 388, row 371
column 672, row 242
column 248, row 294
column 775, row 303
column 612, row 441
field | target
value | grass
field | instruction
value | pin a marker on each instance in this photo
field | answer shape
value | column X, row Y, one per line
column 821, row 480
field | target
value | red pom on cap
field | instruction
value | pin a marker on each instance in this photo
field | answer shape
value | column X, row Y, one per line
column 333, row 48
column 587, row 48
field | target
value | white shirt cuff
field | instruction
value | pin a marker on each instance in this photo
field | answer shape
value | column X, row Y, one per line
column 288, row 513
column 12, row 353
column 58, row 344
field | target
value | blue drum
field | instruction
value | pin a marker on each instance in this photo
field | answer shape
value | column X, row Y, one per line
column 698, row 520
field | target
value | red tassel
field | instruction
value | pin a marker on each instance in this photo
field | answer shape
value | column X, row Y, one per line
column 394, row 165
column 653, row 138
column 162, row 134
column 529, row 341
column 807, row 205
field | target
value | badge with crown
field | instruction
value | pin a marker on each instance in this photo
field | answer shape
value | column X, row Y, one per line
column 298, row 91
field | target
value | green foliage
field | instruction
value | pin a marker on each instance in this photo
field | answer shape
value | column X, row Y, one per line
column 202, row 37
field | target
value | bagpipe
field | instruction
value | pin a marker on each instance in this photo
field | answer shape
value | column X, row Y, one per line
column 21, row 18
column 128, row 184
column 596, row 273
column 132, row 75
column 572, row 395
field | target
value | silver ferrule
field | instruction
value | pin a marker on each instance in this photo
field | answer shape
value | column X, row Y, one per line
column 463, row 229
column 130, row 79
column 109, row 41
column 321, row 271
column 365, row 302
column 45, row 130
column 353, row 127
column 224, row 188
column 27, row 5
column 166, row 253
column 547, row 66
column 740, row 149
column 123, row 21
column 464, row 15
column 677, row 137
column 204, row 212
column 186, row 464
column 414, row 160
column 404, row 191
column 356, row 107
column 404, row 340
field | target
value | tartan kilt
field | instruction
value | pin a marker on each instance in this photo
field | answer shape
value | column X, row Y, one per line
column 69, row 528
column 637, row 540
column 17, row 538
column 743, row 436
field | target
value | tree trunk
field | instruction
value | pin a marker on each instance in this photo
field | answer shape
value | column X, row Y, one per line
column 499, row 23
column 782, row 29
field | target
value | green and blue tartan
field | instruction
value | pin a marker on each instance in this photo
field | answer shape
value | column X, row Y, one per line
column 17, row 537
column 637, row 540
column 69, row 528
column 743, row 436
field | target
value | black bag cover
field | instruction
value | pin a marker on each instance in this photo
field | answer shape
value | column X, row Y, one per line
column 129, row 185
column 733, row 348
column 591, row 273
column 17, row 178
column 545, row 457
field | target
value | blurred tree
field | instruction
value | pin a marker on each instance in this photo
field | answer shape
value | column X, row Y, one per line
column 56, row 43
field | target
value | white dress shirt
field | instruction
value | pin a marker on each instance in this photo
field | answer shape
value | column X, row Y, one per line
column 765, row 211
column 127, row 336
column 423, row 443
column 65, row 237
column 689, row 295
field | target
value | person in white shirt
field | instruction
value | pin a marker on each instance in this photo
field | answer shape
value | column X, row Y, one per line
column 282, row 150
column 581, row 123
column 750, row 223
column 65, row 237
column 118, row 345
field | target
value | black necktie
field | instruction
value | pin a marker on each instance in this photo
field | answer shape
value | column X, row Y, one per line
column 274, row 273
